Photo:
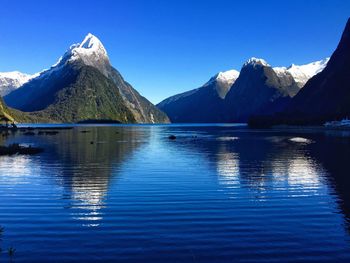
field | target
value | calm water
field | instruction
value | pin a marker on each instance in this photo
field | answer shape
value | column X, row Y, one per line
column 216, row 194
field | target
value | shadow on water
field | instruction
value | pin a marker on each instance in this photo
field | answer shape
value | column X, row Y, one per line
column 333, row 152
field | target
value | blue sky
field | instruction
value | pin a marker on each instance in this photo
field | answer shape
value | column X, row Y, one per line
column 169, row 46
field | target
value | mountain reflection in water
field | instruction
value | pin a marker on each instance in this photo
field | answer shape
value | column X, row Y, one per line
column 216, row 193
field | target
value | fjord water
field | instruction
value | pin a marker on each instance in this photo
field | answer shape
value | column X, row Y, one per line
column 217, row 193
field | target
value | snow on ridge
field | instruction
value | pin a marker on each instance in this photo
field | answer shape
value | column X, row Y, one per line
column 227, row 77
column 256, row 61
column 91, row 51
column 224, row 81
column 92, row 42
column 9, row 81
column 302, row 73
column 15, row 75
column 309, row 69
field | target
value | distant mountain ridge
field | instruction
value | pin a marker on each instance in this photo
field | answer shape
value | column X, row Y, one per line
column 326, row 96
column 83, row 85
column 203, row 104
column 260, row 89
column 9, row 81
column 303, row 73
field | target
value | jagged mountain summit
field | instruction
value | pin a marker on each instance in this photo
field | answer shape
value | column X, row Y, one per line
column 302, row 73
column 81, row 86
column 204, row 104
column 90, row 52
column 223, row 82
column 257, row 89
column 255, row 62
column 9, row 81
column 232, row 96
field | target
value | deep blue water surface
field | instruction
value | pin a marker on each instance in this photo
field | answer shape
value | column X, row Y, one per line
column 215, row 194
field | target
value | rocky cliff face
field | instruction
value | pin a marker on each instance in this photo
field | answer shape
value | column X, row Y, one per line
column 258, row 89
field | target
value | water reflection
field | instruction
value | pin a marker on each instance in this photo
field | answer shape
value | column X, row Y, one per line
column 91, row 159
column 88, row 158
column 22, row 168
column 260, row 161
column 83, row 161
column 333, row 151
column 301, row 164
column 214, row 191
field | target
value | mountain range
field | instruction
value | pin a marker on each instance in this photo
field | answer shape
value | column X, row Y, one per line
column 234, row 96
column 325, row 97
column 83, row 86
column 203, row 104
column 9, row 81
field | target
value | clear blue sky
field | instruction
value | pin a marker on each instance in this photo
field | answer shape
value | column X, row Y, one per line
column 169, row 46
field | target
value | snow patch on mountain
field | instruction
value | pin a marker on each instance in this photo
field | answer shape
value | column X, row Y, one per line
column 9, row 81
column 302, row 73
column 227, row 77
column 90, row 52
column 253, row 61
column 223, row 81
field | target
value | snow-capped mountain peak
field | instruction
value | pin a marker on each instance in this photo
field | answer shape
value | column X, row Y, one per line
column 308, row 70
column 253, row 61
column 223, row 81
column 15, row 75
column 90, row 44
column 90, row 52
column 302, row 73
column 10, row 81
column 227, row 77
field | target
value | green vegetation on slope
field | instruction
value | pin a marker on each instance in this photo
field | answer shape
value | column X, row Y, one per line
column 4, row 111
column 89, row 96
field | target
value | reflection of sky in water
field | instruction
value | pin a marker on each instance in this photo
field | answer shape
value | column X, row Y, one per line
column 299, row 172
column 285, row 170
column 89, row 198
column 228, row 168
column 139, row 194
column 18, row 169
